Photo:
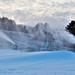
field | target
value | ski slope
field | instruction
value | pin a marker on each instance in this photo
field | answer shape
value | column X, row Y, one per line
column 14, row 62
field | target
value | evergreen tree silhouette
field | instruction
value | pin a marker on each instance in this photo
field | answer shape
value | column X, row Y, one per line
column 71, row 27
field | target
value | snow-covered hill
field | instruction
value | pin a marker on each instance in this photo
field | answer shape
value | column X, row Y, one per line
column 33, row 41
column 37, row 63
column 29, row 38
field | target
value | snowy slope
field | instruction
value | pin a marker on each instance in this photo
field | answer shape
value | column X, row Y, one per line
column 26, row 42
column 37, row 63
column 23, row 41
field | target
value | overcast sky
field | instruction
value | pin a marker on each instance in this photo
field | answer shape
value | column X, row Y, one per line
column 30, row 12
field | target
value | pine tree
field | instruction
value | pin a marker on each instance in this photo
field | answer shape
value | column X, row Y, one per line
column 71, row 27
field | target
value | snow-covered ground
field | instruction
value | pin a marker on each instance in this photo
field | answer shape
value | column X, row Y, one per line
column 14, row 62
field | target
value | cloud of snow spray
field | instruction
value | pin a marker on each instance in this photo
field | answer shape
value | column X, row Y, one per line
column 5, row 37
column 58, row 37
column 62, row 38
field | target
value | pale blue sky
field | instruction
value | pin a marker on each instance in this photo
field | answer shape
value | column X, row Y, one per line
column 30, row 12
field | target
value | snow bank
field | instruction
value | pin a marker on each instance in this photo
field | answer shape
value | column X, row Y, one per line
column 37, row 63
column 16, row 56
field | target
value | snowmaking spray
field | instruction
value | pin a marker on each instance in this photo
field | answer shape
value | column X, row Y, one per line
column 5, row 37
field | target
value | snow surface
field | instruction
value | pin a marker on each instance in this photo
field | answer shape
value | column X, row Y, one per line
column 14, row 62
